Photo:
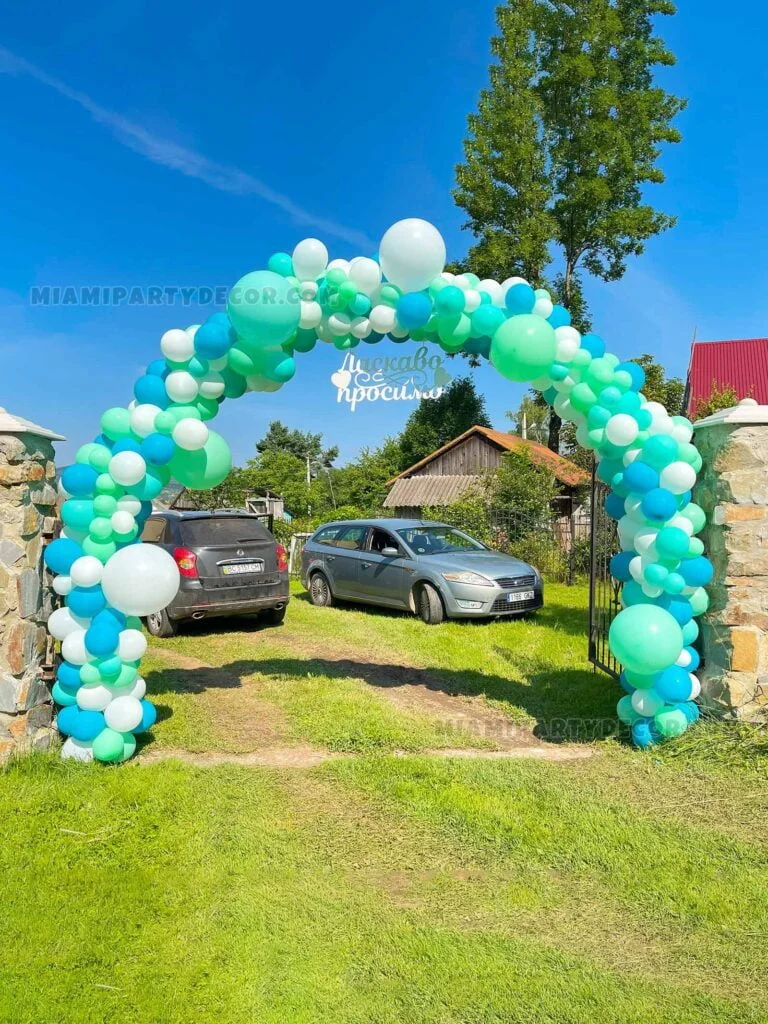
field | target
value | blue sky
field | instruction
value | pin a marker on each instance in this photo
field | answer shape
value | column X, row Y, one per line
column 174, row 144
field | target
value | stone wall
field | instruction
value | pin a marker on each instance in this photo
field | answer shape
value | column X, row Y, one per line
column 27, row 500
column 733, row 490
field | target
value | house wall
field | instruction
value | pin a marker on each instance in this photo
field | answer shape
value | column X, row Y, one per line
column 472, row 457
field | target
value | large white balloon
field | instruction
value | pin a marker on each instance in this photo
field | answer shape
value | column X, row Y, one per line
column 62, row 622
column 382, row 319
column 143, row 419
column 123, row 714
column 63, row 585
column 177, row 345
column 181, row 386
column 621, row 429
column 412, row 253
column 93, row 697
column 190, row 434
column 87, row 570
column 140, row 579
column 678, row 477
column 127, row 468
column 73, row 647
column 137, row 689
column 310, row 259
column 311, row 314
column 494, row 289
column 365, row 273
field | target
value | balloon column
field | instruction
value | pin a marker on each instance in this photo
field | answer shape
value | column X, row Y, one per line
column 109, row 580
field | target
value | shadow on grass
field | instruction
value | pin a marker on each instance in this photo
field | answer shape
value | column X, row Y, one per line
column 568, row 705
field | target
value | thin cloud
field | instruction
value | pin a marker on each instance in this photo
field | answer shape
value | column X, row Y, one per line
column 179, row 158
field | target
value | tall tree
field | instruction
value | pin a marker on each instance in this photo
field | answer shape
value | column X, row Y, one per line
column 434, row 422
column 531, row 419
column 564, row 141
column 300, row 443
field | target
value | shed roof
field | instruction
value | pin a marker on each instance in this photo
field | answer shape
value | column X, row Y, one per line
column 418, row 491
column 562, row 469
column 742, row 365
column 10, row 424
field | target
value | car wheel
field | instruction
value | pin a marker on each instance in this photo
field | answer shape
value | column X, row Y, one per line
column 429, row 606
column 320, row 591
column 275, row 616
column 158, row 624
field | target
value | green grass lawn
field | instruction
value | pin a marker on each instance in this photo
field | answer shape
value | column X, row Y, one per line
column 386, row 887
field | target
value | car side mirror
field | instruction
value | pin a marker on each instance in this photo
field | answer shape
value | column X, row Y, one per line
column 390, row 552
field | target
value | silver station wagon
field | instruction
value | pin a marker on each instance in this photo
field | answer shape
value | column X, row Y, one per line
column 431, row 569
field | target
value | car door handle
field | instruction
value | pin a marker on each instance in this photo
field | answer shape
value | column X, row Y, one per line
column 365, row 565
column 330, row 558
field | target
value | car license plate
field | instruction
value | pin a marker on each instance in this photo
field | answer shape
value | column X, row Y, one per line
column 241, row 567
column 524, row 595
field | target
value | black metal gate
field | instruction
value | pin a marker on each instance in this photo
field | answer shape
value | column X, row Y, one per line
column 604, row 591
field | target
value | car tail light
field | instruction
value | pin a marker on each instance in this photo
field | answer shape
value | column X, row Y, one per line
column 186, row 561
column 282, row 558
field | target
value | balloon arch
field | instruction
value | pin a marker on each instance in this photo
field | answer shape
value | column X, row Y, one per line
column 109, row 580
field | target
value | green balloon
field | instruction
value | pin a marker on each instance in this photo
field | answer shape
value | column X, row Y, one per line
column 77, row 513
column 263, row 384
column 100, row 528
column 699, row 601
column 582, row 397
column 523, row 348
column 83, row 455
column 645, row 638
column 152, row 484
column 305, row 340
column 165, row 422
column 116, row 423
column 110, row 668
column 695, row 515
column 671, row 722
column 207, row 407
column 454, row 330
column 275, row 365
column 241, row 361
column 203, row 469
column 129, row 746
column 101, row 549
column 264, row 308
column 235, row 384
column 126, row 675
column 108, row 746
column 344, row 342
column 105, row 505
column 106, row 485
column 89, row 673
column 626, row 711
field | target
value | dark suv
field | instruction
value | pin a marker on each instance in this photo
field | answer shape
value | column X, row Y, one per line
column 230, row 564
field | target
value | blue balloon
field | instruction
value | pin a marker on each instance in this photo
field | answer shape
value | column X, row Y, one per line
column 680, row 608
column 62, row 695
column 103, row 440
column 158, row 368
column 697, row 572
column 594, row 344
column 632, row 593
column 673, row 684
column 620, row 566
column 148, row 717
column 695, row 658
column 127, row 444
column 66, row 719
column 559, row 317
column 645, row 734
column 215, row 337
column 86, row 602
column 521, row 298
column 637, row 373
column 158, row 449
column 88, row 725
column 614, row 506
column 111, row 618
column 61, row 553
column 690, row 710
column 101, row 641
column 608, row 468
column 659, row 504
column 625, row 683
column 150, row 389
column 79, row 480
column 68, row 675
column 598, row 416
column 414, row 310
column 640, row 477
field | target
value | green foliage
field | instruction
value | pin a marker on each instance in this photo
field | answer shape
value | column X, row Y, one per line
column 531, row 419
column 303, row 444
column 362, row 483
column 522, row 486
column 669, row 391
column 721, row 396
column 435, row 422
column 565, row 139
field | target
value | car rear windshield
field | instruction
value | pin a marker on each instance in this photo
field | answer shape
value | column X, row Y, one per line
column 437, row 540
column 224, row 530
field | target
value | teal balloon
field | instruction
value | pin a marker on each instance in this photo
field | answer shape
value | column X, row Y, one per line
column 264, row 308
column 77, row 513
column 523, row 348
column 486, row 320
column 645, row 639
column 281, row 263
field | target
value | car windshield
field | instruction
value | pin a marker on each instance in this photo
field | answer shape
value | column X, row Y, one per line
column 222, row 530
column 437, row 540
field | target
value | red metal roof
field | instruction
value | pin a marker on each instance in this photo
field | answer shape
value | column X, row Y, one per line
column 743, row 365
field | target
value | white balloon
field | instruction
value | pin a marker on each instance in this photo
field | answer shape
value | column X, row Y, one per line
column 76, row 750
column 382, row 319
column 211, row 385
column 62, row 622
column 682, row 432
column 73, row 647
column 636, row 569
column 630, row 456
column 412, row 253
column 339, row 324
column 311, row 314
column 181, row 386
column 192, row 330
column 127, row 468
column 137, row 689
column 678, row 477
column 647, row 702
column 177, row 345
column 472, row 300
column 122, row 522
column 86, row 571
column 567, row 343
column 695, row 686
column 633, row 506
column 63, row 585
column 682, row 524
column 123, row 714
column 132, row 645
column 128, row 503
column 217, row 365
column 338, row 265
column 494, row 289
column 543, row 306
column 361, row 327
column 140, row 579
column 684, row 660
column 143, row 419
column 190, row 434
column 310, row 258
column 621, row 429
column 650, row 591
column 365, row 274
column 308, row 290
column 93, row 697
column 61, row 490
column 645, row 538
column 324, row 333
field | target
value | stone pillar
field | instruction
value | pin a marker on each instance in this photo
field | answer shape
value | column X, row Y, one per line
column 27, row 510
column 733, row 490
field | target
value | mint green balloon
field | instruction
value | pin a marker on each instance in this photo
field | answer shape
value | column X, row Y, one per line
column 671, row 722
column 84, row 453
column 89, row 673
column 203, row 469
column 116, row 423
column 101, row 549
column 242, row 362
column 454, row 330
column 523, row 348
column 645, row 638
column 129, row 746
column 699, row 601
column 695, row 515
column 275, row 365
column 626, row 712
column 264, row 308
column 108, row 746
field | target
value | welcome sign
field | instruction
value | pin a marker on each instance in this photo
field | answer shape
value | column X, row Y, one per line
column 405, row 378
